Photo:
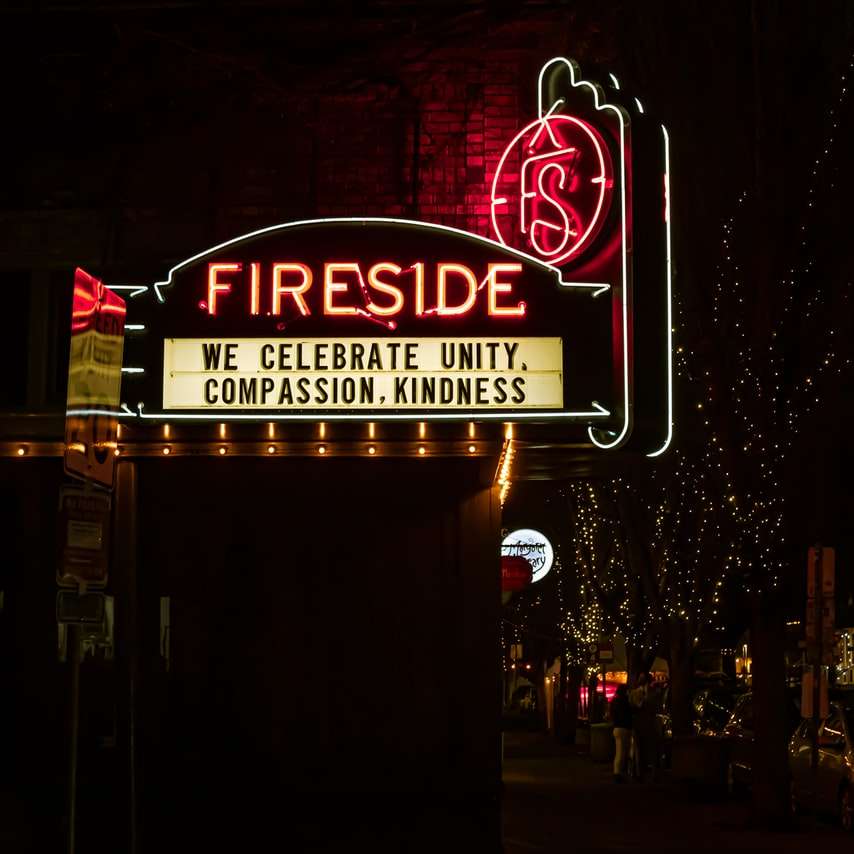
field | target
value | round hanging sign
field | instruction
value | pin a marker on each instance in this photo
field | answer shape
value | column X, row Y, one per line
column 533, row 547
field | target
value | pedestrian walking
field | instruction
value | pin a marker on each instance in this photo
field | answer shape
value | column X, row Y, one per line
column 621, row 717
column 637, row 698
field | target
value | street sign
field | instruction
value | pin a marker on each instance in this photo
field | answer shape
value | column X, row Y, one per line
column 516, row 573
column 94, row 380
column 828, row 571
column 84, row 527
column 85, row 609
column 808, row 694
column 810, row 625
column 820, row 622
column 606, row 651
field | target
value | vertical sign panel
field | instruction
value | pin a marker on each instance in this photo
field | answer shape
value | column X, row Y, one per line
column 94, row 380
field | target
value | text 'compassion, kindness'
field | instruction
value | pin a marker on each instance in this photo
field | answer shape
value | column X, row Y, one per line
column 363, row 373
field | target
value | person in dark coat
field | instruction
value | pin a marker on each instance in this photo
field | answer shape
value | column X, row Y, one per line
column 621, row 717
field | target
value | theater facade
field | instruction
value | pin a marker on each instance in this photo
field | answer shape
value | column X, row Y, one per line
column 319, row 421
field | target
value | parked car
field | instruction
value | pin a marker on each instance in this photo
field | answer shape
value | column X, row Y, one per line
column 834, row 781
column 740, row 733
column 713, row 708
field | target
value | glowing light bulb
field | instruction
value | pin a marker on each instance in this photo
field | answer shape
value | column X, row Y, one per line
column 271, row 449
column 472, row 449
column 21, row 451
column 371, row 450
column 222, row 450
column 166, row 451
column 321, row 449
column 422, row 450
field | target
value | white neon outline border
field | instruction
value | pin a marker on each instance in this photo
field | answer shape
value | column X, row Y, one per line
column 366, row 220
column 596, row 288
column 619, row 113
column 669, row 275
column 262, row 415
column 135, row 290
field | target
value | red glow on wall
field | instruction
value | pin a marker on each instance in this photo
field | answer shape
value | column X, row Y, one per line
column 552, row 189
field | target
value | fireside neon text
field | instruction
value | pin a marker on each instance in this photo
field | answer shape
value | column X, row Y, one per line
column 346, row 288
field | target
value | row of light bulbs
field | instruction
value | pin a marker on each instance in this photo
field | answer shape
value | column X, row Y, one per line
column 321, row 450
column 322, row 430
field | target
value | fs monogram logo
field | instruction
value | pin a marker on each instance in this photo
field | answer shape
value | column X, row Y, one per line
column 554, row 186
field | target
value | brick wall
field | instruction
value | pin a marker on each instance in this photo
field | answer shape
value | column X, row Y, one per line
column 125, row 167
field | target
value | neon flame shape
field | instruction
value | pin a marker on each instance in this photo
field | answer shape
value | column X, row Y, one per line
column 600, row 104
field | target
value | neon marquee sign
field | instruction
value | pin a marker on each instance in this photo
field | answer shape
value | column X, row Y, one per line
column 306, row 320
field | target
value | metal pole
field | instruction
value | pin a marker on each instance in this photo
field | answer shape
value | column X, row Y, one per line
column 73, row 645
column 125, row 521
column 816, row 669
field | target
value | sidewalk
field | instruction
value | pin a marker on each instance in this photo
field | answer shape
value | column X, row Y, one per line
column 558, row 800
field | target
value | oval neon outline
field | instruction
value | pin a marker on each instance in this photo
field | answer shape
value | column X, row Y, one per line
column 601, row 179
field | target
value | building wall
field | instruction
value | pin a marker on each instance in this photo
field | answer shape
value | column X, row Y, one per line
column 334, row 639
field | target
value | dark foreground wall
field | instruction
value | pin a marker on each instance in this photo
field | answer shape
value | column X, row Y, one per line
column 334, row 631
column 334, row 677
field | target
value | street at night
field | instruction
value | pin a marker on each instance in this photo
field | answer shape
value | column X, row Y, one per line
column 557, row 800
column 424, row 426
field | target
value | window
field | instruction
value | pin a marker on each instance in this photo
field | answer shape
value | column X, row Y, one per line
column 15, row 288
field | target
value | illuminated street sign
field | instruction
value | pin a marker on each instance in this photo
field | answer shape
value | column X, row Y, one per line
column 534, row 547
column 94, row 380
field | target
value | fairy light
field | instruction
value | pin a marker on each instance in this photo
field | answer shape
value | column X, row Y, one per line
column 166, row 450
column 321, row 449
column 372, row 449
column 421, row 450
column 222, row 450
column 21, row 451
column 271, row 449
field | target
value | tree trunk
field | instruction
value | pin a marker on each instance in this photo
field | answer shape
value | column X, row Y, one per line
column 771, row 715
column 681, row 650
column 539, row 679
column 566, row 719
